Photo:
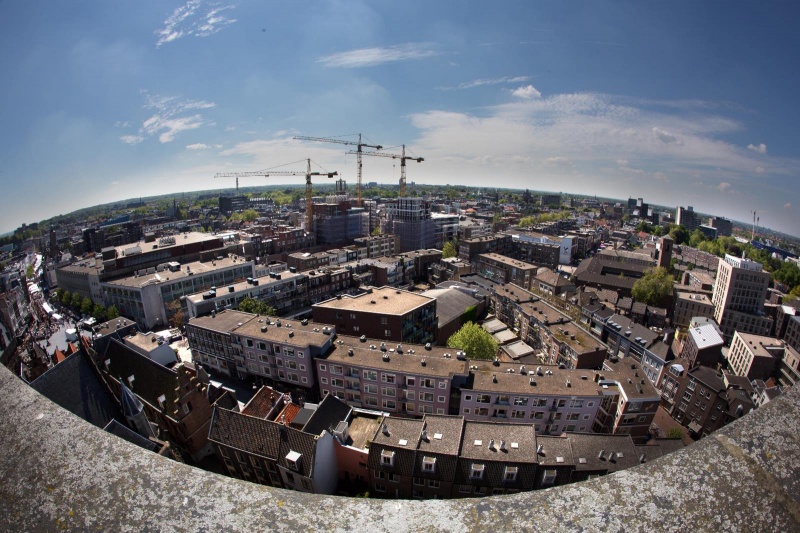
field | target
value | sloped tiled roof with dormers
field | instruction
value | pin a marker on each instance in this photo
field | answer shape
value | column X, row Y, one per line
column 245, row 433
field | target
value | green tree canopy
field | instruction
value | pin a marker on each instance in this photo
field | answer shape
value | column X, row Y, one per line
column 87, row 306
column 474, row 340
column 675, row 433
column 654, row 288
column 679, row 234
column 449, row 250
column 112, row 313
column 99, row 313
column 257, row 307
column 76, row 300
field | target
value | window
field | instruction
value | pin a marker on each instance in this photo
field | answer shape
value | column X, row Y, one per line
column 692, row 384
column 389, row 404
column 687, row 396
column 484, row 398
column 441, row 399
column 419, row 481
column 538, row 415
column 442, row 384
column 434, row 483
column 380, row 487
column 634, row 406
column 466, row 410
column 387, row 333
column 394, row 478
column 337, row 382
column 388, row 378
column 411, row 381
column 371, row 401
column 426, row 396
column 249, row 343
column 387, row 458
column 425, row 409
column 476, row 471
column 510, row 473
column 576, row 403
column 427, row 383
column 573, row 416
column 388, row 391
column 370, row 388
column 465, row 489
column 520, row 400
column 291, row 365
column 549, row 478
column 517, row 414
column 337, row 369
column 371, row 375
column 429, row 464
column 323, row 368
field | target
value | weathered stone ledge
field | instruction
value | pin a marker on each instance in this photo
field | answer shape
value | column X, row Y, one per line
column 61, row 473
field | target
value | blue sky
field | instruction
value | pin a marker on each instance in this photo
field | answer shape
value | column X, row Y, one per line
column 681, row 103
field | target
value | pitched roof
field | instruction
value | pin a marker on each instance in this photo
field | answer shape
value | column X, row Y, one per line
column 246, row 433
column 124, row 432
column 330, row 412
column 73, row 385
column 151, row 379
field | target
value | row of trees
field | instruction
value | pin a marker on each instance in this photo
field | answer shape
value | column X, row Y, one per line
column 532, row 220
column 83, row 305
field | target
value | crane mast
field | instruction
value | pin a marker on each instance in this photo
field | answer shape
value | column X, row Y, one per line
column 267, row 173
column 403, row 158
column 358, row 152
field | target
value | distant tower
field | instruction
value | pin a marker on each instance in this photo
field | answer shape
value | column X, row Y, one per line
column 341, row 187
column 133, row 410
column 665, row 254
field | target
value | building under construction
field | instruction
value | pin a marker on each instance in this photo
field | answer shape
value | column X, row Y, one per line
column 409, row 219
column 337, row 222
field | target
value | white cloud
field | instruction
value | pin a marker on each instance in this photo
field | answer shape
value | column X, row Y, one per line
column 558, row 161
column 724, row 186
column 664, row 136
column 120, row 124
column 131, row 139
column 760, row 170
column 622, row 162
column 760, row 148
column 189, row 19
column 527, row 92
column 197, row 146
column 787, row 205
column 172, row 116
column 370, row 57
column 488, row 81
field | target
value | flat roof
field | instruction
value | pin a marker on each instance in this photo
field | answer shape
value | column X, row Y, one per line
column 181, row 239
column 436, row 364
column 197, row 268
column 505, row 260
column 223, row 321
column 286, row 331
column 264, row 282
column 384, row 300
column 706, row 336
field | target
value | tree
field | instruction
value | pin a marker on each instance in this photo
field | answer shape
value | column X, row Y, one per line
column 696, row 238
column 474, row 340
column 449, row 250
column 675, row 433
column 60, row 294
column 29, row 272
column 66, row 297
column 257, row 307
column 99, row 312
column 112, row 313
column 654, row 287
column 679, row 234
column 87, row 306
column 76, row 301
column 376, row 231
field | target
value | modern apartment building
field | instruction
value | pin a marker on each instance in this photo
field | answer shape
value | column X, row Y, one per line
column 382, row 313
column 739, row 294
column 754, row 356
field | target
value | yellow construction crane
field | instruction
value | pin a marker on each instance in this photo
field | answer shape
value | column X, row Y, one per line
column 402, row 159
column 358, row 152
column 268, row 172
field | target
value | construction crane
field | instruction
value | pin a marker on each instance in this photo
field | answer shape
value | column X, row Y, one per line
column 267, row 173
column 358, row 152
column 403, row 158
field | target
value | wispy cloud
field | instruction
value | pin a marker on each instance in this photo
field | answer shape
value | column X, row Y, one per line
column 677, row 153
column 787, row 205
column 527, row 92
column 193, row 19
column 487, row 81
column 197, row 146
column 371, row 57
column 172, row 116
column 760, row 148
column 131, row 139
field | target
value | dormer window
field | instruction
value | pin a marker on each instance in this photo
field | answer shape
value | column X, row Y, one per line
column 387, row 458
column 429, row 464
column 510, row 473
column 131, row 379
column 293, row 460
column 476, row 471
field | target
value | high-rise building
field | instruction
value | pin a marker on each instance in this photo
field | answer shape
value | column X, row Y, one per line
column 409, row 219
column 687, row 218
column 739, row 294
column 723, row 226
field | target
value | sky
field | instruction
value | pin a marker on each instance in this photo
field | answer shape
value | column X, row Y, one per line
column 679, row 103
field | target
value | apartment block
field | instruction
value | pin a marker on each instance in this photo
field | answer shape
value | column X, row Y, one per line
column 754, row 356
column 703, row 346
column 687, row 305
column 382, row 313
column 411, row 380
column 739, row 294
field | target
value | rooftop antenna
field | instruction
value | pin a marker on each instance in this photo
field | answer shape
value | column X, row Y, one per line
column 753, row 235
